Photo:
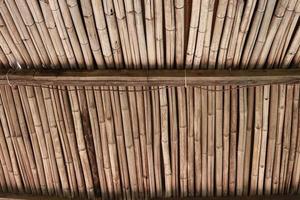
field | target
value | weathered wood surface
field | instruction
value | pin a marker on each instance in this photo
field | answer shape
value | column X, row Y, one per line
column 158, row 77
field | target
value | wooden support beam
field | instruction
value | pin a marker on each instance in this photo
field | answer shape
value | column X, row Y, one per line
column 149, row 78
column 33, row 197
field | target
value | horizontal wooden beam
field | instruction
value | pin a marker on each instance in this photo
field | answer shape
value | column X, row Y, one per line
column 33, row 197
column 149, row 78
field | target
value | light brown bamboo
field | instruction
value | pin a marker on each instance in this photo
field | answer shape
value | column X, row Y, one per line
column 190, row 141
column 233, row 142
column 193, row 32
column 179, row 33
column 62, row 130
column 278, row 146
column 263, row 149
column 242, row 138
column 286, row 139
column 292, row 155
column 198, row 140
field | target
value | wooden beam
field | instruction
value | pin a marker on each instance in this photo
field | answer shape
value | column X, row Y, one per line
column 33, row 197
column 149, row 78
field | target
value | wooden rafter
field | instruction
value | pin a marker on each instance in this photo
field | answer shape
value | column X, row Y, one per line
column 149, row 78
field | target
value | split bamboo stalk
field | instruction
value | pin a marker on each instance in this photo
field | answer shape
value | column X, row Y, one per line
column 132, row 32
column 150, row 32
column 56, row 142
column 116, row 109
column 254, row 31
column 34, row 140
column 142, row 136
column 104, row 144
column 275, row 23
column 169, row 10
column 179, row 24
column 264, row 137
column 5, row 146
column 242, row 138
column 233, row 142
column 80, row 143
column 224, row 43
column 226, row 141
column 16, row 142
column 58, row 33
column 4, row 180
column 197, row 140
column 292, row 49
column 297, row 57
column 156, row 142
column 14, row 94
column 218, row 28
column 201, row 33
column 129, row 56
column 15, row 24
column 6, row 184
column 11, row 155
column 208, row 34
column 88, row 135
column 32, row 30
column 137, row 144
column 286, row 138
column 97, row 142
column 102, row 31
column 296, row 15
column 62, row 130
column 115, row 43
column 159, row 42
column 204, row 138
column 234, row 34
column 174, row 141
column 3, row 59
column 41, row 26
column 63, row 20
column 271, row 140
column 292, row 155
column 149, row 143
column 296, row 170
column 183, row 141
column 279, row 37
column 262, row 34
column 278, row 146
column 129, row 143
column 89, row 21
column 249, row 131
column 10, row 50
column 43, row 122
column 211, row 117
column 141, row 33
column 244, row 27
column 80, row 30
column 70, row 132
column 193, row 32
column 190, row 141
column 10, row 29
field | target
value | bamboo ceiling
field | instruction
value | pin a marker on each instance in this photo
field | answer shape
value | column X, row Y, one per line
column 137, row 141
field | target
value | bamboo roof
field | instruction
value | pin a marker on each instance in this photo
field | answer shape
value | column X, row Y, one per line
column 174, row 138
